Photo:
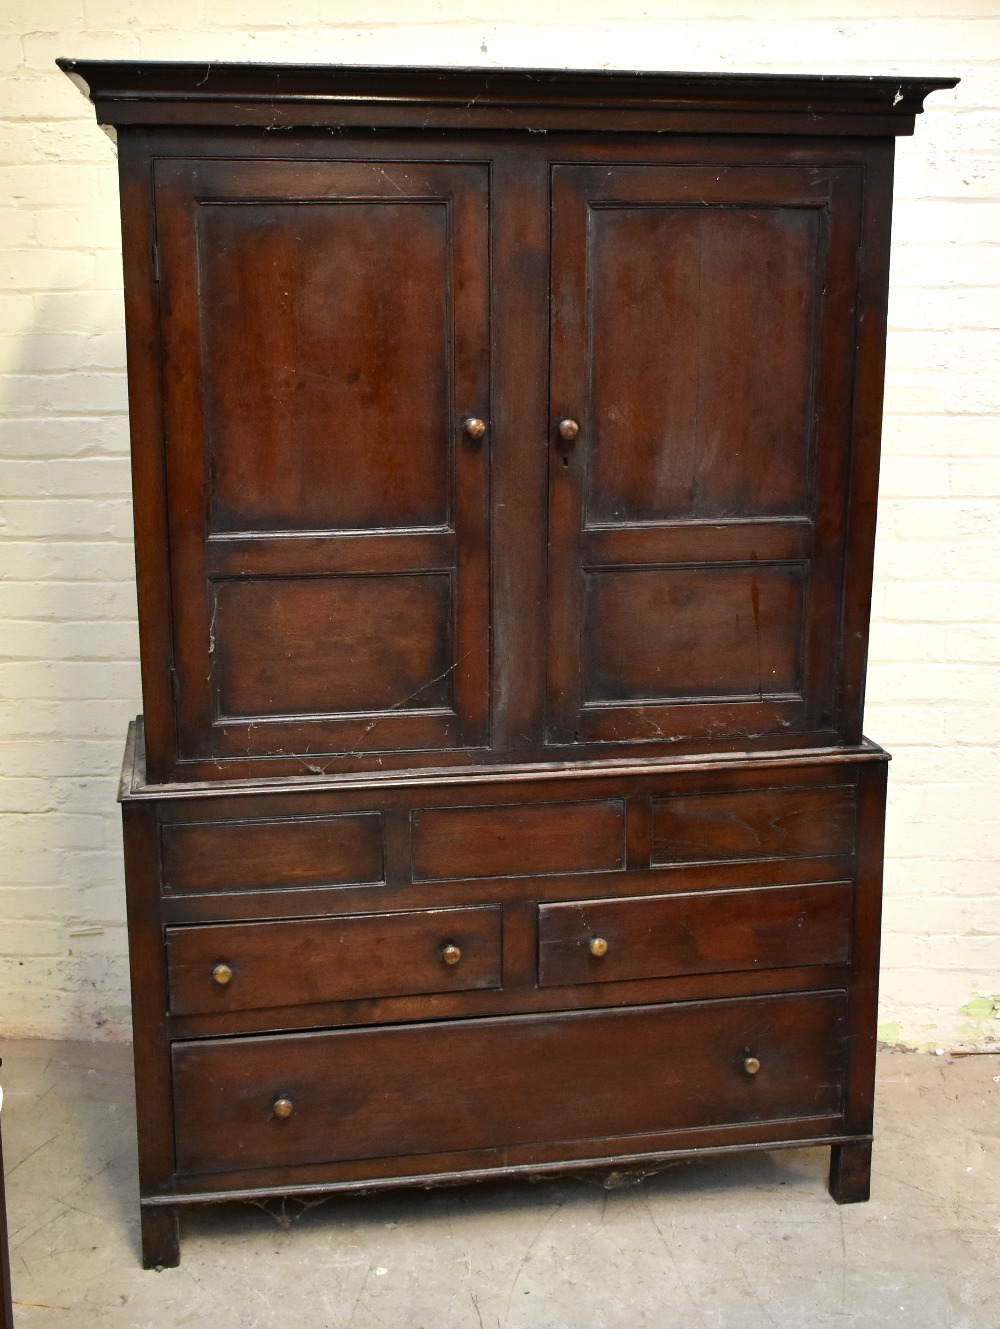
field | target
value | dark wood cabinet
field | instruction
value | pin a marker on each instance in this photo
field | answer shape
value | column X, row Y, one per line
column 505, row 455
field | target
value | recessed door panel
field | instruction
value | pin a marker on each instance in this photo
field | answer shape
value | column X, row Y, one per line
column 314, row 645
column 659, row 633
column 701, row 371
column 326, row 333
column 341, row 424
column 702, row 337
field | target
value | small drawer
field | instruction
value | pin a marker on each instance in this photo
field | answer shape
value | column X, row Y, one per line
column 694, row 932
column 518, row 840
column 458, row 1085
column 255, row 966
column 261, row 855
column 753, row 823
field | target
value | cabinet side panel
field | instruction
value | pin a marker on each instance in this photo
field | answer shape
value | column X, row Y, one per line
column 149, row 493
column 865, row 947
column 153, row 1091
column 862, row 499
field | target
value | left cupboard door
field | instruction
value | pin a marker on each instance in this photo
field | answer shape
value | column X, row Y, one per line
column 325, row 344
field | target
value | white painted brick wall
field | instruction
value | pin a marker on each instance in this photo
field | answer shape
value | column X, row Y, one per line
column 69, row 678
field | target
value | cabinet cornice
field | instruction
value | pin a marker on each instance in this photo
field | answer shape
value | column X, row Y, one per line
column 129, row 92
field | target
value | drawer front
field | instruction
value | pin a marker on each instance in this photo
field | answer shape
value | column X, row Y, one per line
column 260, row 855
column 518, row 841
column 253, row 966
column 703, row 932
column 753, row 823
column 474, row 1084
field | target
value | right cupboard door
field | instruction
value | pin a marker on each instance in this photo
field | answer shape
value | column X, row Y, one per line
column 703, row 334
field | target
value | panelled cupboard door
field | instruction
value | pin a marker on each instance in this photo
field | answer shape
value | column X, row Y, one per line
column 701, row 374
column 325, row 339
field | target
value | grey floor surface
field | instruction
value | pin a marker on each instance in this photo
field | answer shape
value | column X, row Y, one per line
column 752, row 1240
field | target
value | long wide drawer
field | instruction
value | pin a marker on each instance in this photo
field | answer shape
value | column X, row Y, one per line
column 472, row 1084
column 694, row 932
column 253, row 966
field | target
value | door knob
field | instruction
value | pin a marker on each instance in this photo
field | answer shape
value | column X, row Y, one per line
column 474, row 428
column 568, row 430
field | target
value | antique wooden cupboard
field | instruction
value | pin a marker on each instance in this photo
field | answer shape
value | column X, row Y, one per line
column 505, row 453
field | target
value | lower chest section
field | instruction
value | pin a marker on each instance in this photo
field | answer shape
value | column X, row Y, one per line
column 463, row 976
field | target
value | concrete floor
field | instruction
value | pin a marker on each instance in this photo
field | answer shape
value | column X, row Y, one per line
column 752, row 1240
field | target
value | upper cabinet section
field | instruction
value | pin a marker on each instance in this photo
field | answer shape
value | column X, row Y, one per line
column 456, row 442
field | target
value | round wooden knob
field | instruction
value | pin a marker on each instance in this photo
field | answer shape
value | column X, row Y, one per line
column 751, row 1065
column 283, row 1107
column 222, row 974
column 568, row 430
column 451, row 954
column 598, row 946
column 474, row 427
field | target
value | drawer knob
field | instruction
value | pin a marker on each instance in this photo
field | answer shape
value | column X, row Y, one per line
column 222, row 974
column 598, row 946
column 451, row 954
column 751, row 1065
column 474, row 428
column 568, row 430
column 283, row 1107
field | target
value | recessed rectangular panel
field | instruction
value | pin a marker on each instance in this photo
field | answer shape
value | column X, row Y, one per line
column 701, row 361
column 518, row 1080
column 263, row 855
column 673, row 632
column 518, row 841
column 754, row 823
column 326, row 359
column 697, row 932
column 354, row 958
column 320, row 645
